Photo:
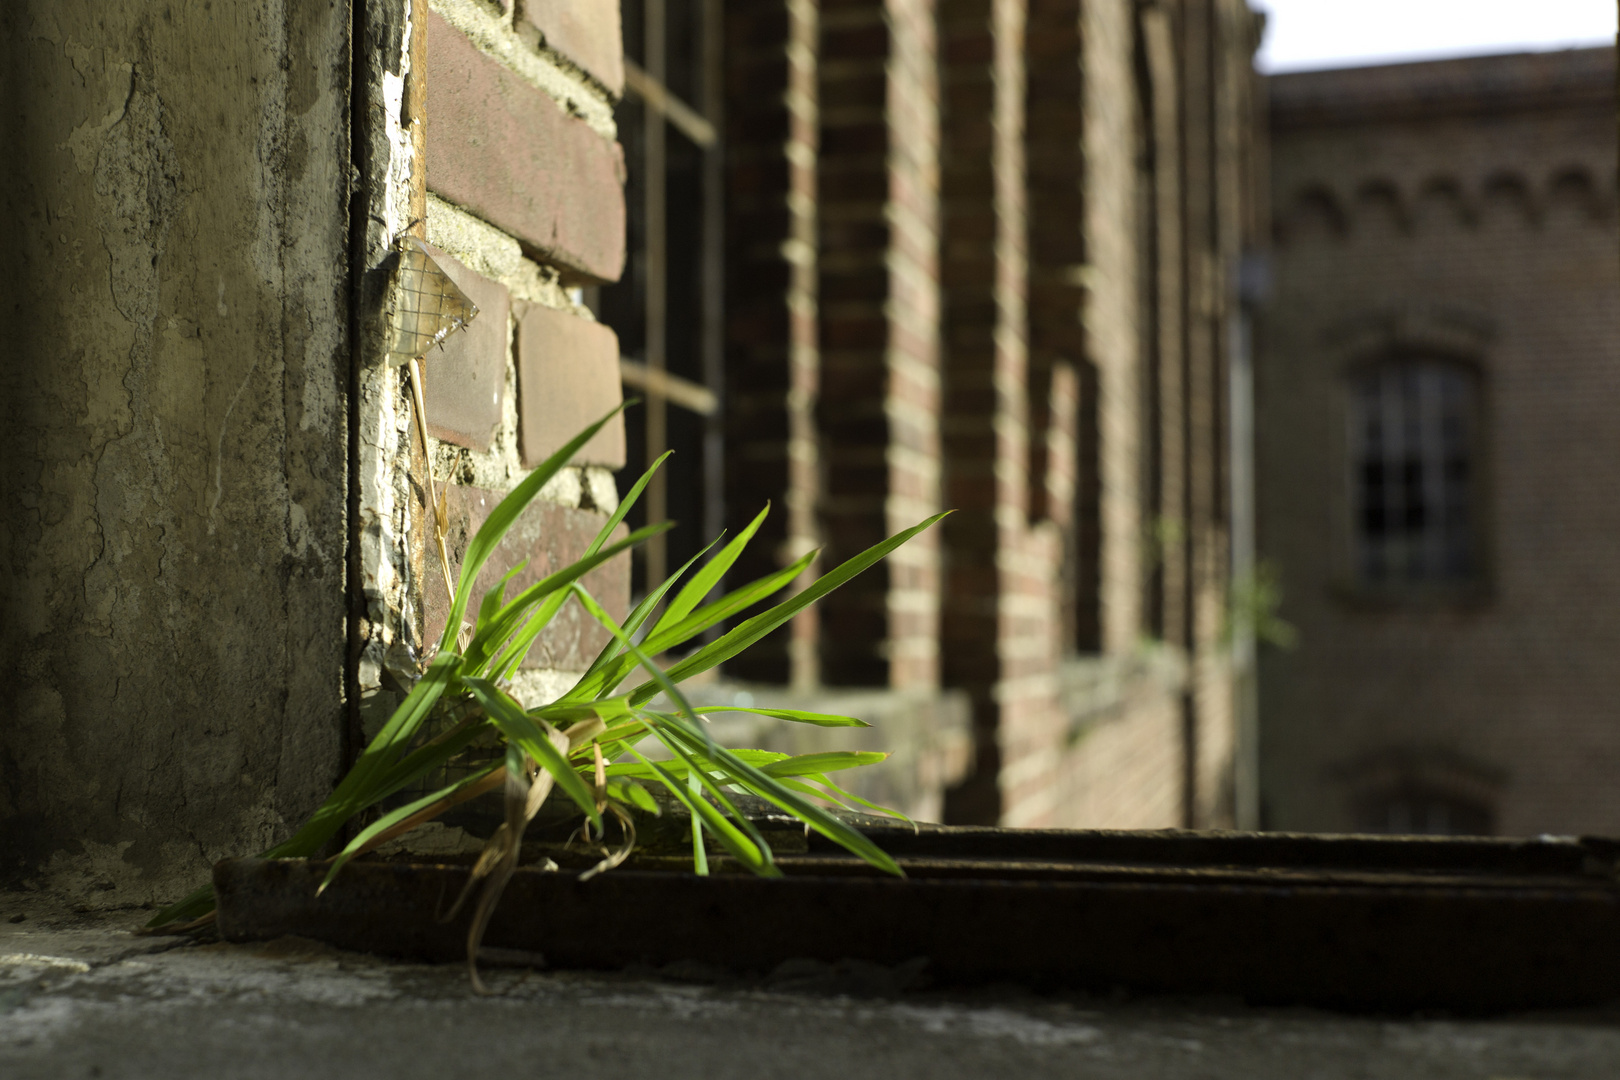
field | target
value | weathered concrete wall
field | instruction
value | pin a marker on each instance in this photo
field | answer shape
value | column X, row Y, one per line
column 173, row 228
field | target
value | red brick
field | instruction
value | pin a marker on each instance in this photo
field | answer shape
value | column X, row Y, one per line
column 549, row 537
column 466, row 376
column 584, row 31
column 507, row 152
column 878, row 134
column 568, row 376
column 772, row 351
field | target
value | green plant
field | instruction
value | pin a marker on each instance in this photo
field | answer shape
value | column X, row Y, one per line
column 576, row 743
column 1256, row 598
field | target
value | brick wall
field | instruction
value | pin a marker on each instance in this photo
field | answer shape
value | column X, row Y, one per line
column 984, row 423
column 878, row 412
column 523, row 199
column 1056, row 128
column 1131, row 313
column 772, row 348
column 947, row 284
column 1058, row 313
column 1407, row 220
column 1117, row 323
column 1123, row 764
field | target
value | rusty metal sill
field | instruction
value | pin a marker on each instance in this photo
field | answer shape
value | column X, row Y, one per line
column 1353, row 922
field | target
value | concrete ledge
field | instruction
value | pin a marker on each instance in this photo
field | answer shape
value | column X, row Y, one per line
column 80, row 996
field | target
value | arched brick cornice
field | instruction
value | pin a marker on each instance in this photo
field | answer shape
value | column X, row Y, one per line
column 1351, row 208
column 1315, row 209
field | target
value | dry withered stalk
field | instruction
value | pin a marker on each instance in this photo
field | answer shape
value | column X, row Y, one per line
column 438, row 511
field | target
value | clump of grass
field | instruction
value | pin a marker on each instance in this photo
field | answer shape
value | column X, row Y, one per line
column 588, row 743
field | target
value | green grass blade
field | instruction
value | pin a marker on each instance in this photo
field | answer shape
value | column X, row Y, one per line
column 495, row 598
column 700, row 852
column 503, row 667
column 494, row 528
column 739, row 599
column 797, row 716
column 844, row 798
column 639, row 614
column 704, row 815
column 195, row 905
column 678, row 790
column 516, row 725
column 705, row 580
column 402, row 726
column 618, row 737
column 394, row 817
column 605, row 709
column 587, row 683
column 803, row 788
column 697, row 772
column 659, row 677
column 607, row 676
column 773, row 791
column 631, row 792
column 752, row 630
column 511, row 657
column 426, row 758
column 827, row 761
column 626, row 503
column 491, row 635
column 756, row 758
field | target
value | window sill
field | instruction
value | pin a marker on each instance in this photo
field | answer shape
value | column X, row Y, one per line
column 1343, row 921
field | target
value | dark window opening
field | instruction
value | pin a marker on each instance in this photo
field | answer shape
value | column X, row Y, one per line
column 1412, row 434
column 1084, row 626
column 665, row 307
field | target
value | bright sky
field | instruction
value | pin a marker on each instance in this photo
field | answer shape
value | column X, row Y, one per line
column 1305, row 34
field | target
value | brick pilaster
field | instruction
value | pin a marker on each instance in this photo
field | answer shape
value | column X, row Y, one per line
column 772, row 360
column 879, row 319
column 1118, row 321
column 994, row 594
column 1060, row 273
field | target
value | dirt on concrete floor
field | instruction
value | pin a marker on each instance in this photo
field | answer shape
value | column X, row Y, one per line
column 83, row 996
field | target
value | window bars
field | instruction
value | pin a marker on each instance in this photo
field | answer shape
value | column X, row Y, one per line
column 667, row 308
column 1412, row 438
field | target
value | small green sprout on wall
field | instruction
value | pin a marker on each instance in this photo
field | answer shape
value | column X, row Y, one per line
column 1255, row 602
column 596, row 742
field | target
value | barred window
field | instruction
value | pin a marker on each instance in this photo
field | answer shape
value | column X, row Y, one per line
column 1413, row 455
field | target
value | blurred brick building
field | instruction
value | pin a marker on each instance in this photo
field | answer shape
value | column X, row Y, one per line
column 978, row 255
column 1437, row 392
